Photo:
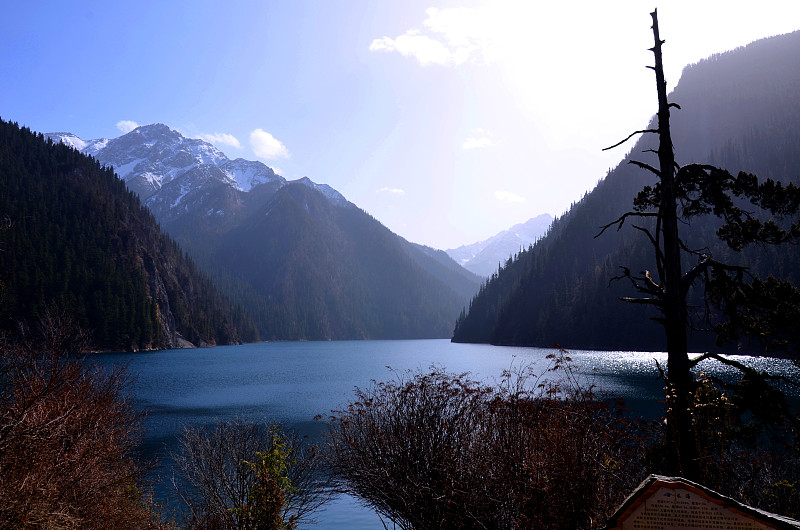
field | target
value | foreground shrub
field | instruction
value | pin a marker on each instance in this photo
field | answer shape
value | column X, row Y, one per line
column 67, row 433
column 242, row 475
column 438, row 450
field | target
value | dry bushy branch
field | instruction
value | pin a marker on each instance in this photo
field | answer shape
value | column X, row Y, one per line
column 438, row 450
column 66, row 436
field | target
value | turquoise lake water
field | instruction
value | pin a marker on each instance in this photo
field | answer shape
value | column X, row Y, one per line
column 292, row 382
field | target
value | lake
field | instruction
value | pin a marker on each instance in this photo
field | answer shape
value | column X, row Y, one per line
column 291, row 382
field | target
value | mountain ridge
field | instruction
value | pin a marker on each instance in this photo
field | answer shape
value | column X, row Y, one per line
column 288, row 251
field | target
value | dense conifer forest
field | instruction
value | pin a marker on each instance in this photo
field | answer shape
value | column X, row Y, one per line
column 740, row 111
column 74, row 236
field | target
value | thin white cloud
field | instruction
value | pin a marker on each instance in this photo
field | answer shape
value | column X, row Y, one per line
column 508, row 197
column 423, row 48
column 392, row 191
column 221, row 139
column 475, row 143
column 451, row 37
column 126, row 126
column 478, row 139
column 266, row 146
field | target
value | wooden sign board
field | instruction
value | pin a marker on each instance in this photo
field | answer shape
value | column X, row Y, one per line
column 672, row 503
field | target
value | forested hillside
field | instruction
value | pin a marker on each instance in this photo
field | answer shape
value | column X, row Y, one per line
column 740, row 110
column 74, row 236
column 306, row 268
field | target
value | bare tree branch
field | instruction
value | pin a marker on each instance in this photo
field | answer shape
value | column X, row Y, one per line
column 642, row 301
column 621, row 221
column 643, row 165
column 707, row 262
column 631, row 135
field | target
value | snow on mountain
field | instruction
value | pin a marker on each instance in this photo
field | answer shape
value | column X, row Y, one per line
column 484, row 257
column 173, row 195
column 151, row 156
column 332, row 195
column 247, row 174
column 90, row 147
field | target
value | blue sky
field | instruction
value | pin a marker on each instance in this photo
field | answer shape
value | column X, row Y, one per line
column 447, row 121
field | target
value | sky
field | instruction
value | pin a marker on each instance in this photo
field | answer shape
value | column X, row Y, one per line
column 448, row 121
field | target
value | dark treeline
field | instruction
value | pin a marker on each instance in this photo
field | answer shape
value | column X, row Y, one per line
column 77, row 238
column 740, row 111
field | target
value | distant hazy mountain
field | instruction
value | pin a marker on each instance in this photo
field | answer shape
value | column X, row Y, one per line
column 484, row 257
column 739, row 110
column 77, row 238
column 302, row 260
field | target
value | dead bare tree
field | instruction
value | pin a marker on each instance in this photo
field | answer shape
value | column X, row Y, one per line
column 744, row 307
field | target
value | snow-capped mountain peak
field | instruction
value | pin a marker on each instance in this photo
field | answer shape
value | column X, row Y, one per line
column 176, row 176
column 150, row 156
column 484, row 257
column 246, row 174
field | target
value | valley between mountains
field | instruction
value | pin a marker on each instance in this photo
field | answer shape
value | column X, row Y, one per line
column 296, row 256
